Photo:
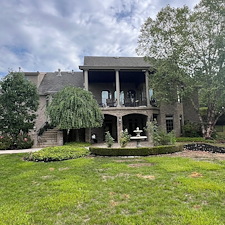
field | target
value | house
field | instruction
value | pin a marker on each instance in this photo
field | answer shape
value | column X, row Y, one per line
column 121, row 87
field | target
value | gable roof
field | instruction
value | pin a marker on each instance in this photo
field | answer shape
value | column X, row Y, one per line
column 53, row 83
column 95, row 62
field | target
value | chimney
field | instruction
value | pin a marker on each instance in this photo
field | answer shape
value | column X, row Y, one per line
column 59, row 73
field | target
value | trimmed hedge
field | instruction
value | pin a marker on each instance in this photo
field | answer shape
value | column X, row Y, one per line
column 193, row 139
column 143, row 151
column 57, row 153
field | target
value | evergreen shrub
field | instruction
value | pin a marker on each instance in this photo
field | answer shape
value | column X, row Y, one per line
column 109, row 139
column 124, row 138
column 5, row 142
column 193, row 139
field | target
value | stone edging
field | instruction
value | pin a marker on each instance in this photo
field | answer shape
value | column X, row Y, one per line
column 204, row 147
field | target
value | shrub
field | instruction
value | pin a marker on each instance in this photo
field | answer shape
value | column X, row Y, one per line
column 58, row 153
column 124, row 138
column 143, row 151
column 159, row 136
column 23, row 141
column 191, row 129
column 5, row 142
column 193, row 139
column 109, row 139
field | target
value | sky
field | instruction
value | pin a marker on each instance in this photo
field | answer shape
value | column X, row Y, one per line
column 47, row 35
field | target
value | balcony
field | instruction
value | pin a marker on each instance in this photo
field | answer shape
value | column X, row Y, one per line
column 128, row 102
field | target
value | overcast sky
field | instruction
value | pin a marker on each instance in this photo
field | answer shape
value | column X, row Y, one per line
column 44, row 35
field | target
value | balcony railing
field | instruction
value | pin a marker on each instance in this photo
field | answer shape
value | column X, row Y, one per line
column 128, row 102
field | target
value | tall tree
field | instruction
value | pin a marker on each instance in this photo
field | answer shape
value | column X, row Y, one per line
column 18, row 104
column 74, row 108
column 187, row 49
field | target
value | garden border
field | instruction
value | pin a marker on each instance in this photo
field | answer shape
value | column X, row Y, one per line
column 143, row 151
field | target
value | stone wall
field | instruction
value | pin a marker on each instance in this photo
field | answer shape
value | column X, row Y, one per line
column 175, row 110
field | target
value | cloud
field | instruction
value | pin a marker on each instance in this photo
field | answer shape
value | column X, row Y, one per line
column 47, row 35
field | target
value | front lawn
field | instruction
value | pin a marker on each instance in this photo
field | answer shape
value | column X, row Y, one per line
column 100, row 190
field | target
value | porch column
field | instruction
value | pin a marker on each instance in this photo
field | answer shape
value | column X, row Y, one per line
column 117, row 88
column 86, row 80
column 119, row 127
column 147, row 88
column 149, row 135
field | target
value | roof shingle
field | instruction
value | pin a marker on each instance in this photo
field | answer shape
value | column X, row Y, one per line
column 52, row 83
column 115, row 61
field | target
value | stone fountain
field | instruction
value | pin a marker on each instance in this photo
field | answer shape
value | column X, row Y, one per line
column 138, row 137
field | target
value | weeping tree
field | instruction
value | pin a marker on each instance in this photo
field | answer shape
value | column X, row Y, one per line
column 187, row 49
column 74, row 108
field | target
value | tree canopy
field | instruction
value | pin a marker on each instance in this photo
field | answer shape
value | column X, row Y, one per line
column 187, row 49
column 74, row 108
column 18, row 104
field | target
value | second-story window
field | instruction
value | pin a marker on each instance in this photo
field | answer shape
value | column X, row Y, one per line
column 105, row 96
column 131, row 94
column 122, row 97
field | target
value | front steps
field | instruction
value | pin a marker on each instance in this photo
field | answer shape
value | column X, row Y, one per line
column 51, row 137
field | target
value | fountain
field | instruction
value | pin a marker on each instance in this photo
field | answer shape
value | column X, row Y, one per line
column 138, row 137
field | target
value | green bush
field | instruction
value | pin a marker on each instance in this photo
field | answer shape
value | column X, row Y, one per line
column 159, row 136
column 191, row 129
column 143, row 151
column 5, row 142
column 124, row 138
column 58, row 153
column 109, row 139
column 193, row 139
column 23, row 141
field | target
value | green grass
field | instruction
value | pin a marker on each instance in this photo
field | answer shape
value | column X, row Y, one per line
column 108, row 190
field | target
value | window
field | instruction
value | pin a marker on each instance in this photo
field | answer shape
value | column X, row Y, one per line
column 122, row 98
column 131, row 94
column 169, row 123
column 150, row 91
column 105, row 96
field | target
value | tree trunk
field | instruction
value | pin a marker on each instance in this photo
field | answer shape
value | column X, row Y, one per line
column 208, row 132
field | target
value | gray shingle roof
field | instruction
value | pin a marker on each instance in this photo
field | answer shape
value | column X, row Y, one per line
column 115, row 61
column 52, row 83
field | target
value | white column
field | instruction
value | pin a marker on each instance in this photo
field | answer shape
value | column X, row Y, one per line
column 117, row 88
column 147, row 88
column 86, row 80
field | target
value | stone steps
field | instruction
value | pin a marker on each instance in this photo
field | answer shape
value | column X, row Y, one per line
column 48, row 138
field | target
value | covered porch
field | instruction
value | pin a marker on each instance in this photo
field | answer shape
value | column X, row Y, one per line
column 117, row 120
